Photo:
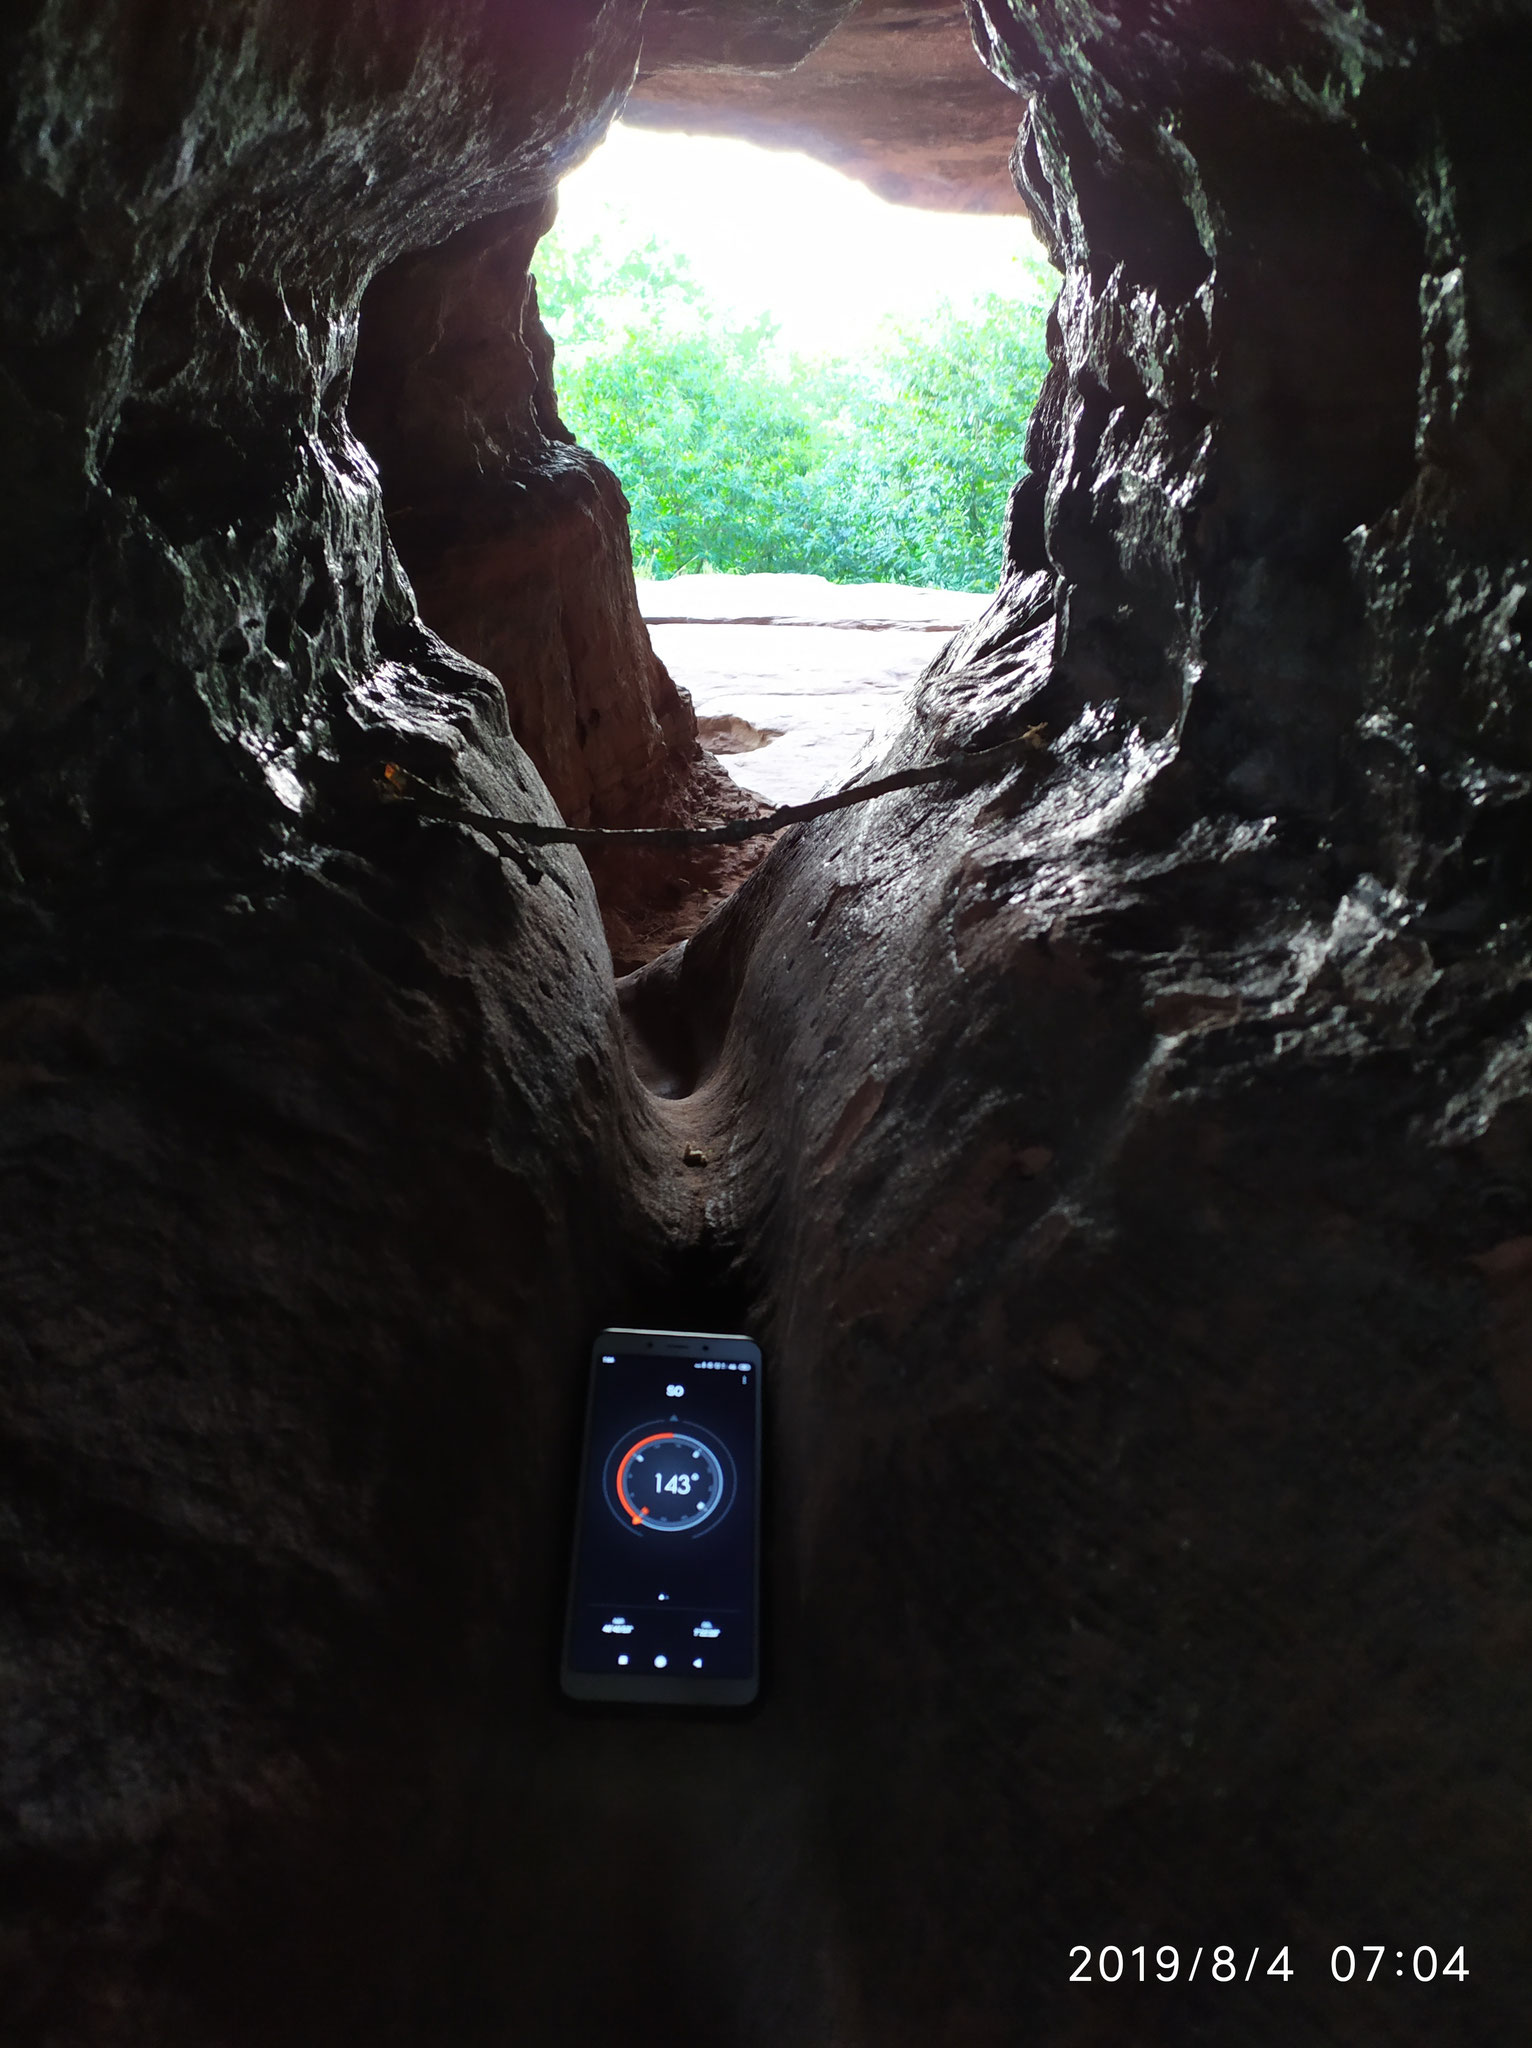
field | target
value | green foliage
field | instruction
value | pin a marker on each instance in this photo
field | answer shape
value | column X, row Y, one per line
column 736, row 456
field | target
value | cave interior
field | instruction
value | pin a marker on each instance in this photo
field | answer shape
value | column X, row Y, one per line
column 1120, row 1152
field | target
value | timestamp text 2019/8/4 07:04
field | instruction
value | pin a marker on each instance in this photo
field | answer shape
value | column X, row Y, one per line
column 1225, row 1965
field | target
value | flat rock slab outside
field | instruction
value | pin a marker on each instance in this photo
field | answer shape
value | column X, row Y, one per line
column 824, row 668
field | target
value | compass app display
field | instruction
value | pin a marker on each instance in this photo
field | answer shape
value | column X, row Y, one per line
column 663, row 1599
column 668, row 1480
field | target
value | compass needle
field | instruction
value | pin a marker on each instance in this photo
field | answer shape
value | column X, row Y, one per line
column 669, row 1481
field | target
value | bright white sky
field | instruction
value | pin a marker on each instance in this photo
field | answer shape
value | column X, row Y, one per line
column 770, row 230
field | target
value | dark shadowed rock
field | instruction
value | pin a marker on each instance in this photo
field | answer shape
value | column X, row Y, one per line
column 748, row 34
column 300, row 1209
column 1130, row 1156
column 1123, row 1158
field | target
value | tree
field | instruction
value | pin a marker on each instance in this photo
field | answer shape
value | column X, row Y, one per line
column 737, row 456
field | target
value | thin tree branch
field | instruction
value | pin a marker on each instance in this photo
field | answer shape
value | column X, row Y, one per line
column 398, row 785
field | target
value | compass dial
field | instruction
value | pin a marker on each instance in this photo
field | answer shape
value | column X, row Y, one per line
column 667, row 1479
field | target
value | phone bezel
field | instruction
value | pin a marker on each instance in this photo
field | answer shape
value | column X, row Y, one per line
column 641, row 1688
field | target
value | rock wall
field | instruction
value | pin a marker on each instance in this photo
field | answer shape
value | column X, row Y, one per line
column 893, row 96
column 1123, row 1157
column 1129, row 1155
column 312, row 1121
column 516, row 545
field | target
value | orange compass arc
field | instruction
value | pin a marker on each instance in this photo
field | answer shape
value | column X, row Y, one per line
column 637, row 1514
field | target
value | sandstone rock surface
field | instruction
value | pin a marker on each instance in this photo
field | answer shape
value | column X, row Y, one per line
column 825, row 669
column 1124, row 1157
column 895, row 96
column 516, row 545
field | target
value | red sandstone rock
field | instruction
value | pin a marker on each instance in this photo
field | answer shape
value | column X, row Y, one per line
column 896, row 96
column 1193, row 1050
column 516, row 544
column 825, row 669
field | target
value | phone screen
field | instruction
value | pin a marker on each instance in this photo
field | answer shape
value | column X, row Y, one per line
column 664, row 1591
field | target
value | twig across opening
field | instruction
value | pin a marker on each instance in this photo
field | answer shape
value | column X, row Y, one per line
column 398, row 785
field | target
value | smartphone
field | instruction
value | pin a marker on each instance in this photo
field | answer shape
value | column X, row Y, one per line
column 664, row 1591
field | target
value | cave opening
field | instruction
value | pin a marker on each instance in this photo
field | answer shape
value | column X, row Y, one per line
column 801, row 386
column 800, row 403
column 787, row 370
